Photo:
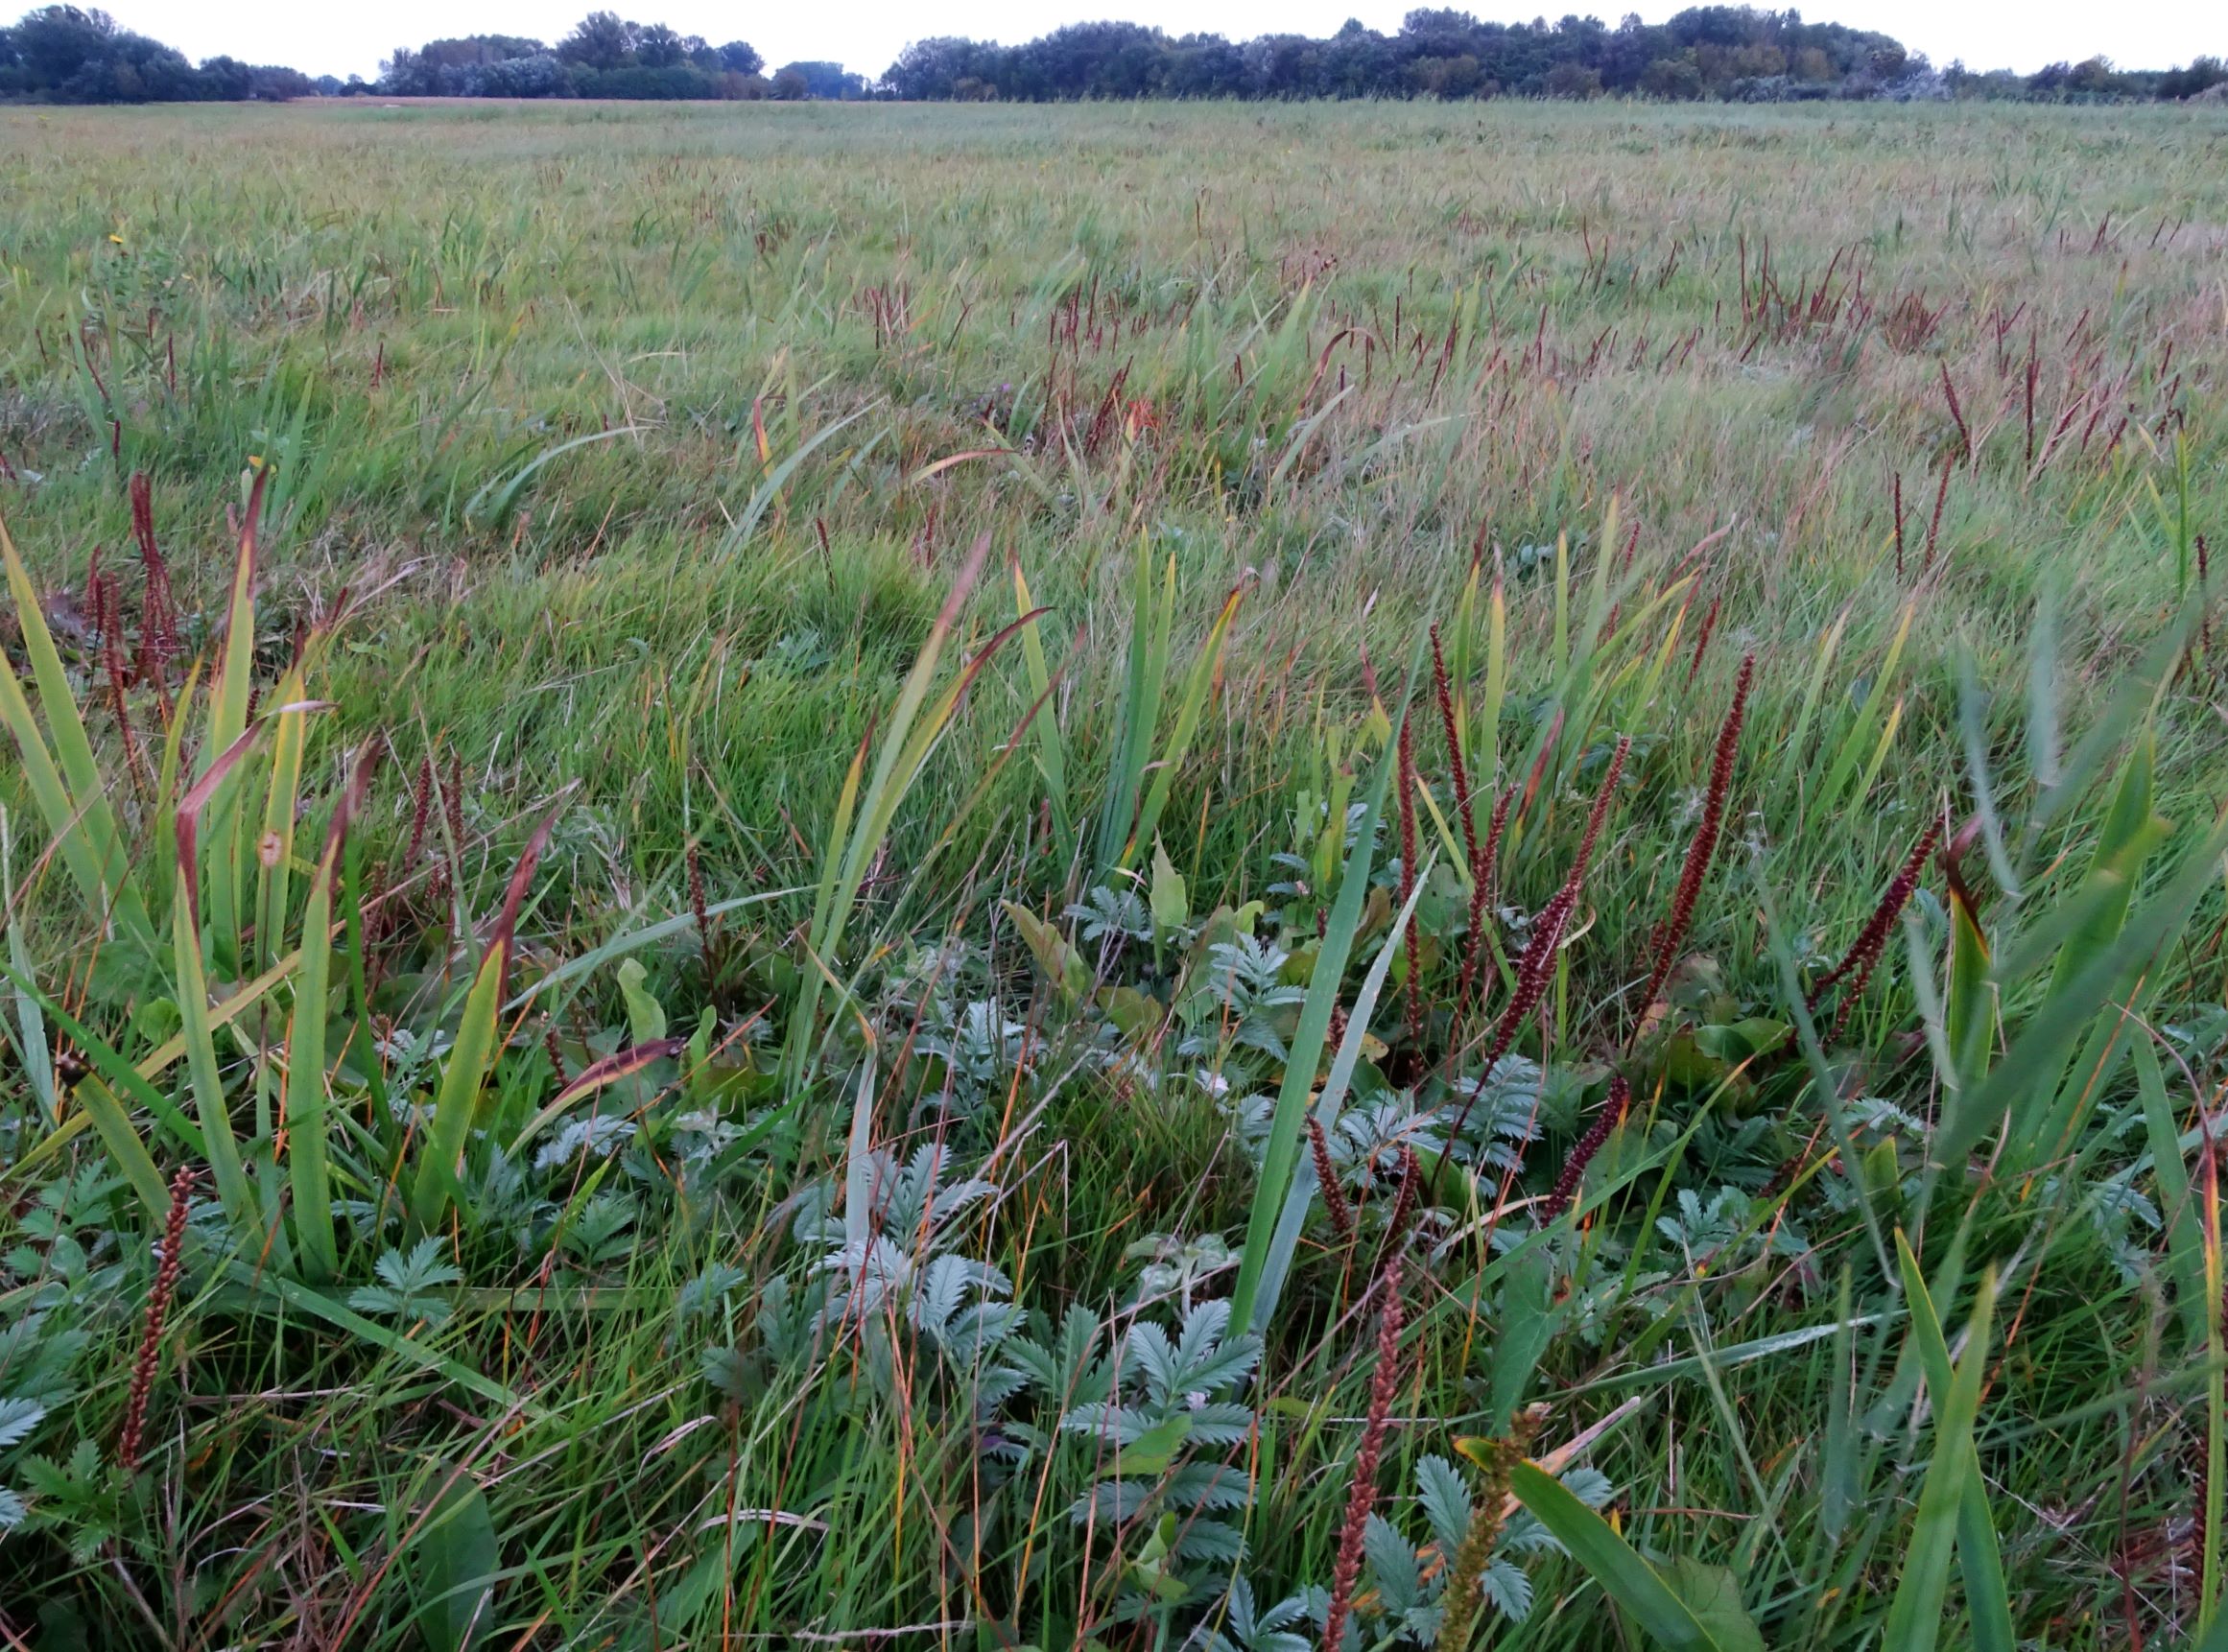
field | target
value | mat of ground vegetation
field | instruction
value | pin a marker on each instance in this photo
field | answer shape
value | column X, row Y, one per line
column 1159, row 876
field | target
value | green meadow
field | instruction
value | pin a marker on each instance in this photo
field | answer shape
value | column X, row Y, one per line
column 1156, row 876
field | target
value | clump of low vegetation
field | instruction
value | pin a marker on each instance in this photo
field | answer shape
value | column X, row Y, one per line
column 978, row 902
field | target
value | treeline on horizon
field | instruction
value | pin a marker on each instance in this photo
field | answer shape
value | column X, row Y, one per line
column 1735, row 53
column 67, row 54
column 72, row 54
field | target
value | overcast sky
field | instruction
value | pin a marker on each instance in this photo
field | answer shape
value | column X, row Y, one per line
column 322, row 37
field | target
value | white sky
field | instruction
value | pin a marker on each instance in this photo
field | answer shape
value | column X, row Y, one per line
column 866, row 34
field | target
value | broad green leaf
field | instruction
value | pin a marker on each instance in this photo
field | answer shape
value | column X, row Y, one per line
column 645, row 1015
column 1713, row 1595
column 1171, row 903
column 457, row 1560
column 1612, row 1562
column 1529, row 1318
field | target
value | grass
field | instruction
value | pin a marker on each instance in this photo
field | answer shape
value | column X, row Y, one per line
column 763, row 903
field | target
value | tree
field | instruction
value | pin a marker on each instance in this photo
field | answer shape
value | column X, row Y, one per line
column 229, row 79
column 739, row 58
column 56, row 41
column 659, row 47
column 1574, row 79
column 2202, row 74
column 276, row 83
column 541, row 76
column 600, row 41
column 1674, row 78
column 821, row 79
column 2092, row 77
column 1455, row 77
column 931, row 69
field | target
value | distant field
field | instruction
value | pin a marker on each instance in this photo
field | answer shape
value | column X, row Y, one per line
column 949, row 580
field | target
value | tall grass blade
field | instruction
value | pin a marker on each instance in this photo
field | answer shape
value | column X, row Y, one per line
column 1284, row 1245
column 2176, row 1201
column 1979, row 1559
column 308, row 1095
column 851, row 850
column 2042, row 1044
column 768, row 490
column 1051, row 750
column 1179, row 740
column 235, row 1191
column 1915, row 1615
column 274, row 848
column 66, row 784
column 1280, row 1159
column 122, row 1141
column 231, row 688
column 1830, row 790
column 1138, row 714
column 473, row 1054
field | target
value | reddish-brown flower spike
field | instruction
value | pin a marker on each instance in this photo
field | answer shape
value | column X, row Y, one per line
column 1598, row 815
column 421, row 811
column 1445, row 693
column 158, row 619
column 1899, row 525
column 699, row 908
column 1413, row 938
column 1853, row 972
column 1481, row 870
column 1956, row 413
column 1672, row 934
column 1362, row 1489
column 1536, row 967
column 1334, row 1205
column 158, row 1300
column 1614, row 1107
column 2204, row 597
column 1934, row 527
column 1702, row 637
column 1403, row 1200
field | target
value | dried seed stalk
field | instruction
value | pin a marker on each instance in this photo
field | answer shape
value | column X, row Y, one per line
column 1475, row 1553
